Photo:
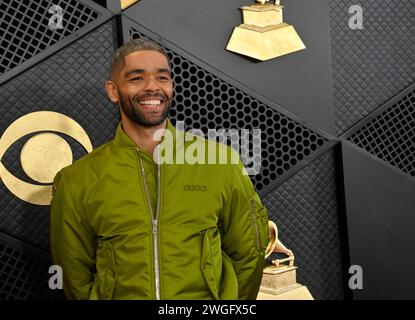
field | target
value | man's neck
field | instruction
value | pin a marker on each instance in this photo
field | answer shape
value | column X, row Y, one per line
column 144, row 137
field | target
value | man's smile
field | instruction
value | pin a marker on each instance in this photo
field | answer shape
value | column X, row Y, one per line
column 151, row 101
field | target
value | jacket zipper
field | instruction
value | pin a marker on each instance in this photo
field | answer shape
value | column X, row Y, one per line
column 252, row 203
column 154, row 220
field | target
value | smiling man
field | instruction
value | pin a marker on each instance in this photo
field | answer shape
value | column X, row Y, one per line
column 126, row 227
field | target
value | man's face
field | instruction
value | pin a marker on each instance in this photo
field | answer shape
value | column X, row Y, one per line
column 145, row 87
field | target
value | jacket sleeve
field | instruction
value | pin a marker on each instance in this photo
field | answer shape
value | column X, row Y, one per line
column 245, row 233
column 72, row 243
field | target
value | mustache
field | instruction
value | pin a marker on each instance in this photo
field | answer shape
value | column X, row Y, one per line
column 139, row 97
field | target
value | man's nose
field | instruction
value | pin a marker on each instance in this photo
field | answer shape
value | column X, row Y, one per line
column 151, row 85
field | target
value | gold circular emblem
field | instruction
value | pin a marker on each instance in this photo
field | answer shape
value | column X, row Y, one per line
column 43, row 155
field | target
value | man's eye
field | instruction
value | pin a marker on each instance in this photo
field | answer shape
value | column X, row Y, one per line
column 164, row 78
column 136, row 79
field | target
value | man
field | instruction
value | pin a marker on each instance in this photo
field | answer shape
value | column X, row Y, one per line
column 124, row 226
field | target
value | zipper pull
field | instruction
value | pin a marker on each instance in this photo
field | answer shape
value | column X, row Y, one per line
column 154, row 226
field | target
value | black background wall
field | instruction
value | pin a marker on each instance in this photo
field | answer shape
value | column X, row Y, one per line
column 337, row 121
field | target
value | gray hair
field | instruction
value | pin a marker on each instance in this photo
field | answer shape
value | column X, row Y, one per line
column 132, row 46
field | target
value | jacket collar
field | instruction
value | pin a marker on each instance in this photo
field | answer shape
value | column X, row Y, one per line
column 121, row 139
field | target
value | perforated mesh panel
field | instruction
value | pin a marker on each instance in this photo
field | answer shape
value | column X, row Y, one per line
column 24, row 30
column 391, row 135
column 203, row 101
column 23, row 276
column 372, row 65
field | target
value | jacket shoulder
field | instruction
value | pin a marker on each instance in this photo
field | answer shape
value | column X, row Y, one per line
column 82, row 168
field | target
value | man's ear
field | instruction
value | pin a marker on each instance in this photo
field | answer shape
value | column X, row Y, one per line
column 112, row 91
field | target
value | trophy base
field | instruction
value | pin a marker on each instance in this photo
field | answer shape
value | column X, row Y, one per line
column 264, row 43
column 280, row 283
column 294, row 292
column 262, row 15
column 126, row 3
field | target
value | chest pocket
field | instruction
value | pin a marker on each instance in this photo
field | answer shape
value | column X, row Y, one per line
column 106, row 275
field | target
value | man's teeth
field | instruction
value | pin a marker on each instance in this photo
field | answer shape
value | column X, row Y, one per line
column 151, row 102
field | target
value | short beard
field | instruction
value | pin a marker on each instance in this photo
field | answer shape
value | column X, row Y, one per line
column 133, row 113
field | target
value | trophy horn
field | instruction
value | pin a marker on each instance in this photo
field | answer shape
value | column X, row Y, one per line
column 272, row 238
column 275, row 245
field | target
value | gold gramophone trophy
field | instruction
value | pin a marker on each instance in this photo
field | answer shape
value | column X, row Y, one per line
column 264, row 35
column 279, row 280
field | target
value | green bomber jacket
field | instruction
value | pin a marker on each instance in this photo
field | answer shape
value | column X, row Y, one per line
column 124, row 226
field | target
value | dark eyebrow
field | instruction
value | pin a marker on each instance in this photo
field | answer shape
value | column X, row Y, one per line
column 128, row 73
column 163, row 70
column 140, row 71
